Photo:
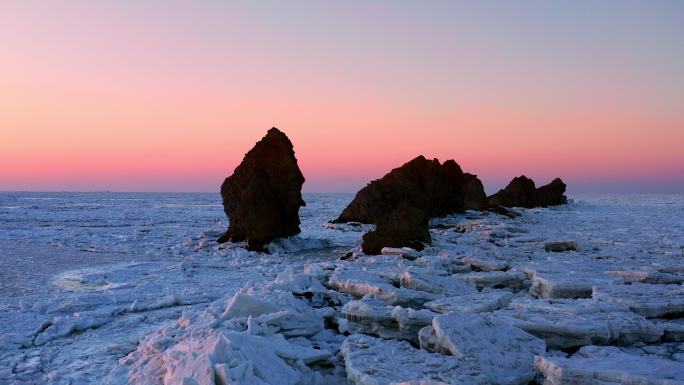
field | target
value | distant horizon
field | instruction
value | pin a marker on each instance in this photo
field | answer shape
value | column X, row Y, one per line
column 616, row 189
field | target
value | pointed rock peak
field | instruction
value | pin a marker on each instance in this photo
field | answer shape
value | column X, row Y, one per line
column 263, row 196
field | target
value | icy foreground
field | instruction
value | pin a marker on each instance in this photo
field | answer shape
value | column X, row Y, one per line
column 486, row 304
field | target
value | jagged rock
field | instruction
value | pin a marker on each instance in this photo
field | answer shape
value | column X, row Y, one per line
column 402, row 202
column 609, row 365
column 263, row 196
column 503, row 352
column 438, row 189
column 558, row 247
column 404, row 227
column 520, row 192
column 552, row 194
column 374, row 361
column 649, row 300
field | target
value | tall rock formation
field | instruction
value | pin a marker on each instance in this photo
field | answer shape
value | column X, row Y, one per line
column 263, row 196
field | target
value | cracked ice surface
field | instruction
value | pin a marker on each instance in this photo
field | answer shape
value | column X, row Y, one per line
column 117, row 288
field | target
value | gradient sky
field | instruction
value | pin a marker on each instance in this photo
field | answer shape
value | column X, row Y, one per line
column 169, row 95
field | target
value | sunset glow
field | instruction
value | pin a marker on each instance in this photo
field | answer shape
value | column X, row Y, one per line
column 168, row 96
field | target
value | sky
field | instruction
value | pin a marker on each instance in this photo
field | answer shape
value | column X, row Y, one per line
column 170, row 95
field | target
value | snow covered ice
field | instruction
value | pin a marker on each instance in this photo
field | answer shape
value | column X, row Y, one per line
column 132, row 288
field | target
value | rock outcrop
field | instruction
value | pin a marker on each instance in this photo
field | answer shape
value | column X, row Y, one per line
column 263, row 196
column 405, row 226
column 552, row 194
column 402, row 202
column 521, row 192
column 435, row 188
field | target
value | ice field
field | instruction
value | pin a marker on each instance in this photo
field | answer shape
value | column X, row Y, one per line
column 115, row 288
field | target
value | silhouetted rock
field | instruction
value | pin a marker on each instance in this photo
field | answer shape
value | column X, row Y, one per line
column 405, row 226
column 437, row 189
column 474, row 197
column 552, row 194
column 263, row 196
column 402, row 202
column 520, row 192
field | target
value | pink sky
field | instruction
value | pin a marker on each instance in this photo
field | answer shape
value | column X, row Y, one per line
column 168, row 96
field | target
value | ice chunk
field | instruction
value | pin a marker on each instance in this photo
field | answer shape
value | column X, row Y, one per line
column 602, row 365
column 649, row 300
column 648, row 276
column 485, row 301
column 674, row 330
column 487, row 263
column 243, row 305
column 211, row 357
column 370, row 316
column 374, row 361
column 404, row 252
column 416, row 278
column 563, row 328
column 503, row 352
column 513, row 280
column 566, row 284
column 358, row 282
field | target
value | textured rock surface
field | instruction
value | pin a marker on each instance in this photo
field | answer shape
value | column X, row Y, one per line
column 437, row 189
column 505, row 353
column 406, row 226
column 263, row 196
column 520, row 192
column 402, row 202
column 552, row 194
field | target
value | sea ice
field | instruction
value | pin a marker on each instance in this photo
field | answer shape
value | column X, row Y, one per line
column 513, row 280
column 484, row 301
column 563, row 328
column 649, row 300
column 373, row 317
column 374, row 361
column 504, row 353
column 609, row 365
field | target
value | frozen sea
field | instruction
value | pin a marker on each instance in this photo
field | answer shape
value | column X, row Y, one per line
column 84, row 277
